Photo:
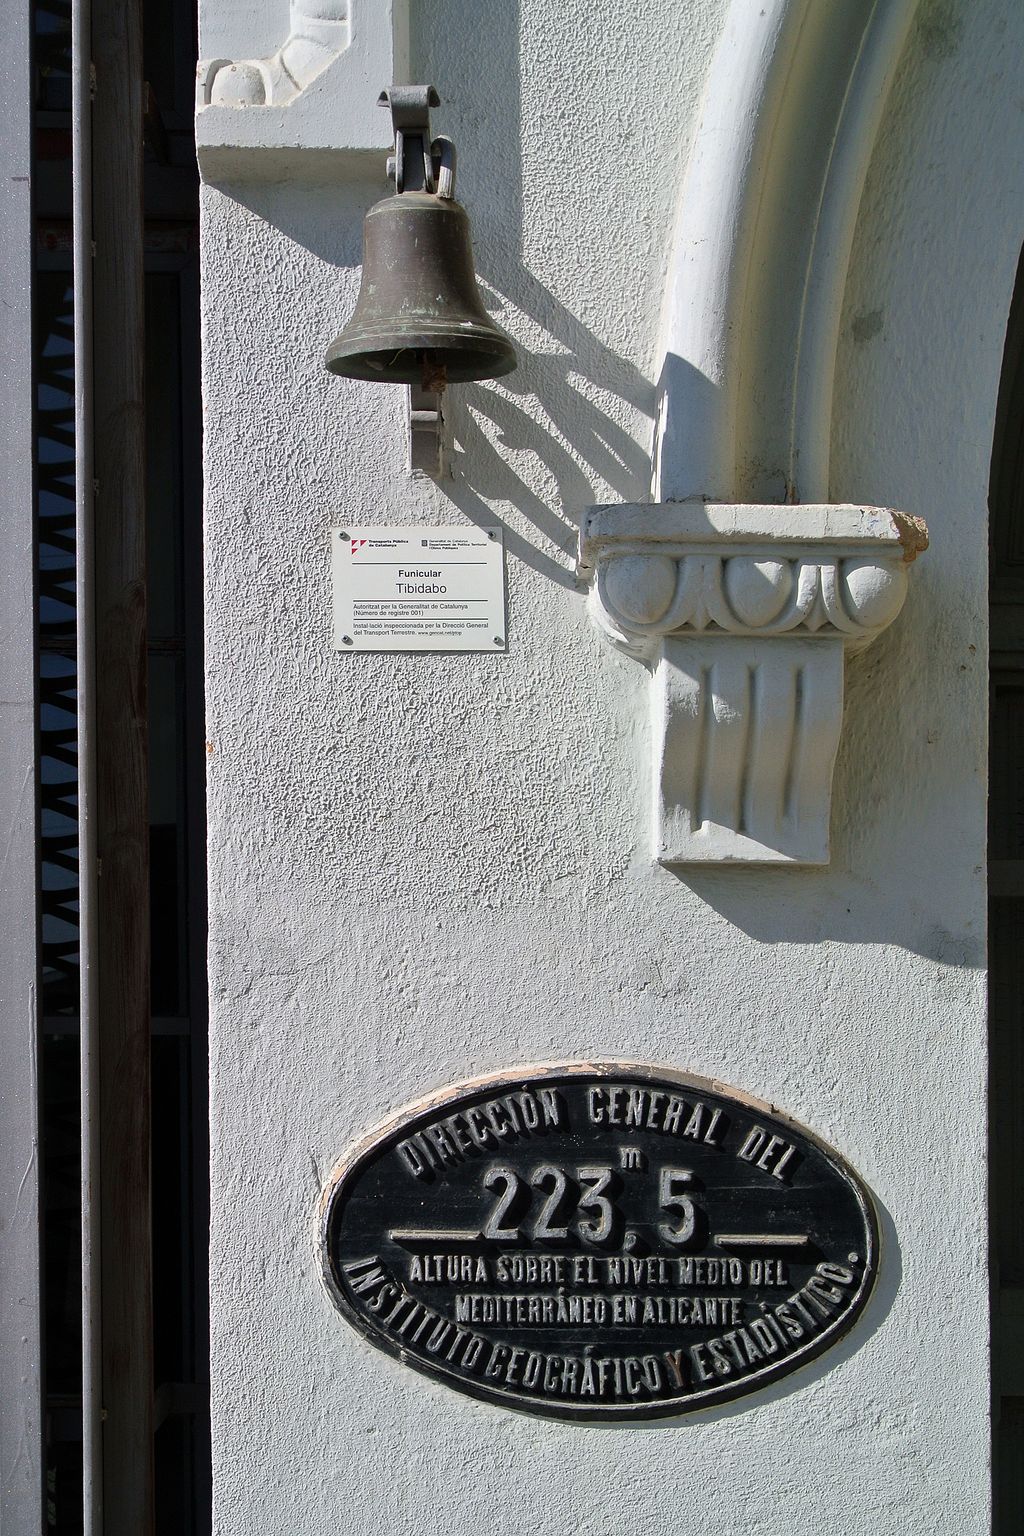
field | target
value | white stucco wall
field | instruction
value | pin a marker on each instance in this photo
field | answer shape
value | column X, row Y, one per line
column 422, row 867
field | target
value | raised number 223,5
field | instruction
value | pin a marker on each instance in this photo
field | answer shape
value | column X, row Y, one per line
column 579, row 1197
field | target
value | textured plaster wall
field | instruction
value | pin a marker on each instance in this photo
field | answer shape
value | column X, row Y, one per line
column 422, row 867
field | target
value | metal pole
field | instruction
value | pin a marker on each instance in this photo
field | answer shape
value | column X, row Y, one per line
column 85, row 649
column 21, row 1436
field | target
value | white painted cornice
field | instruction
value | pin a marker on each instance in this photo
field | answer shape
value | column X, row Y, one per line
column 317, row 35
column 309, row 104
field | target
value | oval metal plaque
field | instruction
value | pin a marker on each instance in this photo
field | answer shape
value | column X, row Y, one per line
column 598, row 1241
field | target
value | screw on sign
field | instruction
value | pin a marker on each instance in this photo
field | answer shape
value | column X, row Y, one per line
column 598, row 1241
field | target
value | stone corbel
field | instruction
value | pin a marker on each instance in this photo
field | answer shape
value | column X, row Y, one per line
column 744, row 613
column 302, row 107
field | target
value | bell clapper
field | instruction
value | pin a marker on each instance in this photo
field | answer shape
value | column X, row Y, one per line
column 435, row 375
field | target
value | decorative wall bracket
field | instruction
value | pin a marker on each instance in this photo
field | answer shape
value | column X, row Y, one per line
column 300, row 108
column 744, row 614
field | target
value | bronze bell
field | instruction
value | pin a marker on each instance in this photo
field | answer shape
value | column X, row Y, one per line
column 418, row 318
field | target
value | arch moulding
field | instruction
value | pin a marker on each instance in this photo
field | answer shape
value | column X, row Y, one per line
column 740, row 585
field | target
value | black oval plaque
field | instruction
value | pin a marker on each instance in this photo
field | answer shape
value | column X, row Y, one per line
column 598, row 1241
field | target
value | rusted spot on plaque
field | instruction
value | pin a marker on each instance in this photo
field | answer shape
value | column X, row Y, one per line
column 598, row 1241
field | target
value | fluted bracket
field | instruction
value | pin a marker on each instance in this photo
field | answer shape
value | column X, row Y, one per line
column 744, row 613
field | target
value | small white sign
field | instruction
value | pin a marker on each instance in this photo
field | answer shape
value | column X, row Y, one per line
column 418, row 589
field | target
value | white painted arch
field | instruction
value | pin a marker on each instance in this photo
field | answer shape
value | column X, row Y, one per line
column 765, row 226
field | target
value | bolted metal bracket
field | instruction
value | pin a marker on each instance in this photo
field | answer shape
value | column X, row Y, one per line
column 411, row 166
column 421, row 163
column 428, row 444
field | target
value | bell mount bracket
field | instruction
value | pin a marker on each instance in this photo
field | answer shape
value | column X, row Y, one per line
column 421, row 163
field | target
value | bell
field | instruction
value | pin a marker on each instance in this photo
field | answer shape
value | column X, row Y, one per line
column 418, row 318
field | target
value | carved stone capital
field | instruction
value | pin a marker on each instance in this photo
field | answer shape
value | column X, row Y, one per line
column 745, row 613
column 761, row 571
